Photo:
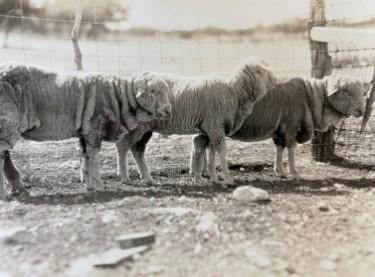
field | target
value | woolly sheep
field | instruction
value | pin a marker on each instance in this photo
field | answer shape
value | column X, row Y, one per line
column 41, row 105
column 214, row 106
column 289, row 114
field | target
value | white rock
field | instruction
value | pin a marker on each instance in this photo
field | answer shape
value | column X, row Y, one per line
column 327, row 265
column 70, row 164
column 323, row 206
column 249, row 193
column 198, row 248
column 177, row 211
column 208, row 224
column 338, row 186
column 110, row 217
column 9, row 235
column 258, row 258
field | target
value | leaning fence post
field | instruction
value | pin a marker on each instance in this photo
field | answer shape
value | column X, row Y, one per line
column 323, row 142
column 75, row 35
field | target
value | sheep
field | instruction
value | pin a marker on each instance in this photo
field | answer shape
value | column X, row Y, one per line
column 289, row 114
column 215, row 106
column 42, row 105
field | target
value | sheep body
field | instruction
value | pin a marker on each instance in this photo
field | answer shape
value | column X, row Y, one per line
column 289, row 114
column 215, row 106
column 43, row 105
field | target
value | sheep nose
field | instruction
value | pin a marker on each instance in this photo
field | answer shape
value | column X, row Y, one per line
column 166, row 111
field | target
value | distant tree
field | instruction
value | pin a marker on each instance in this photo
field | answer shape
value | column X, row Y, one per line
column 95, row 13
column 11, row 11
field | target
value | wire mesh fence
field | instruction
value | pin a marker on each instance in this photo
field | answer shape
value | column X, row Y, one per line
column 355, row 59
column 109, row 45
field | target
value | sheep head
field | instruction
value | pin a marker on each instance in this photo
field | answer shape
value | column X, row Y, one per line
column 152, row 95
column 345, row 95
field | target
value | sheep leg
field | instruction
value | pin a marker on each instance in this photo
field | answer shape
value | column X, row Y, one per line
column 83, row 163
column 292, row 162
column 278, row 166
column 220, row 146
column 3, row 195
column 138, row 150
column 90, row 145
column 211, row 165
column 93, row 181
column 12, row 175
column 205, row 164
column 199, row 145
column 123, row 148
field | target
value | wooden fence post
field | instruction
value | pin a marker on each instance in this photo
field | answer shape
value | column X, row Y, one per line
column 75, row 34
column 323, row 142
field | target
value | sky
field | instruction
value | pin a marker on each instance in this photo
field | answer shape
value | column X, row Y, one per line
column 231, row 14
column 228, row 14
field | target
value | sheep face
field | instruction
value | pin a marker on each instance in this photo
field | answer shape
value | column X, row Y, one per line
column 346, row 95
column 152, row 94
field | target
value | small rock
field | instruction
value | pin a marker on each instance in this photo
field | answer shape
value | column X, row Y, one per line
column 177, row 211
column 182, row 198
column 110, row 217
column 208, row 224
column 327, row 265
column 10, row 235
column 79, row 198
column 70, row 164
column 322, row 206
column 338, row 186
column 257, row 258
column 249, row 193
column 246, row 213
column 130, row 201
column 198, row 248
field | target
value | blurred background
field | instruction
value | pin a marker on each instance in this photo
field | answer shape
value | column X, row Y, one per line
column 185, row 37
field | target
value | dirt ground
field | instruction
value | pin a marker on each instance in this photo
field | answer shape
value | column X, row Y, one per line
column 320, row 226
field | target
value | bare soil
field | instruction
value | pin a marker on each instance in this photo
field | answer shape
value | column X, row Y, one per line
column 322, row 225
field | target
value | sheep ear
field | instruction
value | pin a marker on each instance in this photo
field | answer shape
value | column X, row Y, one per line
column 141, row 87
column 333, row 84
column 140, row 92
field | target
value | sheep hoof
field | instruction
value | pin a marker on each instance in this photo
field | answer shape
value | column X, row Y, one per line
column 199, row 180
column 296, row 177
column 228, row 181
column 150, row 181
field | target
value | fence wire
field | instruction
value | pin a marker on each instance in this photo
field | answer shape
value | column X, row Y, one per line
column 112, row 47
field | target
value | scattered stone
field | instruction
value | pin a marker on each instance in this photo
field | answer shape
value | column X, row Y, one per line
column 257, row 258
column 152, row 270
column 109, row 258
column 10, row 235
column 79, row 198
column 198, row 248
column 110, row 217
column 249, row 193
column 182, row 198
column 327, row 265
column 177, row 211
column 208, row 224
column 323, row 206
column 70, row 164
column 338, row 186
column 130, row 201
column 246, row 213
column 136, row 239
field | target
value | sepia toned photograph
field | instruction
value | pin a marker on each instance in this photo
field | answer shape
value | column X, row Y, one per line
column 187, row 138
